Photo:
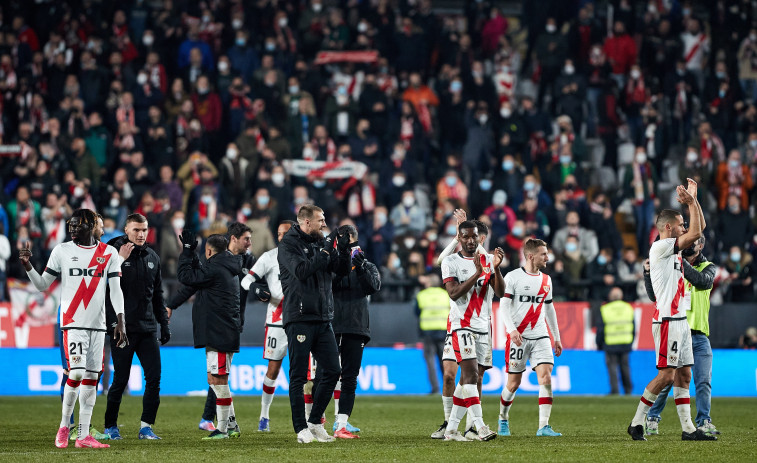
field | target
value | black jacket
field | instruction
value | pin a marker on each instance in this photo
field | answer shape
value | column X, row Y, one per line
column 700, row 280
column 215, row 315
column 306, row 274
column 184, row 292
column 143, row 290
column 351, row 300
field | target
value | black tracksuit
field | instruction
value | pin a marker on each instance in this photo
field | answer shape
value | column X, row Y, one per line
column 185, row 292
column 306, row 276
column 352, row 325
column 144, row 310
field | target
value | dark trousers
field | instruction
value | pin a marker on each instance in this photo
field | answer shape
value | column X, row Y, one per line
column 615, row 360
column 433, row 350
column 305, row 338
column 351, row 354
column 210, row 406
column 146, row 346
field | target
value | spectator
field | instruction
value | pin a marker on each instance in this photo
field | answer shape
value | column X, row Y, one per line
column 740, row 281
column 631, row 275
column 747, row 73
column 733, row 178
column 5, row 254
column 408, row 216
column 621, row 53
column 236, row 177
column 680, row 88
column 602, row 222
column 192, row 42
column 570, row 94
column 749, row 339
column 573, row 263
column 735, row 228
column 696, row 48
column 550, row 53
column 603, row 274
column 170, row 244
column 640, row 186
column 586, row 240
column 615, row 336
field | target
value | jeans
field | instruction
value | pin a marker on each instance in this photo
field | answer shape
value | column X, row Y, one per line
column 618, row 361
column 701, row 374
column 433, row 349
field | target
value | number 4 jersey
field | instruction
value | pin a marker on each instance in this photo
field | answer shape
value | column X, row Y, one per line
column 472, row 311
column 529, row 294
column 83, row 272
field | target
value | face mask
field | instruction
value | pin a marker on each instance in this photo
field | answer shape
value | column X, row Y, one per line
column 263, row 200
column 505, row 112
column 278, row 178
column 283, row 22
column 571, row 247
column 381, row 219
column 109, row 230
column 114, row 203
column 452, row 229
column 681, row 72
column 641, row 158
column 205, row 18
column 733, row 164
column 308, row 152
column 319, row 183
column 551, row 28
column 270, row 46
column 485, row 184
column 409, row 243
column 432, row 237
column 207, row 199
column 529, row 186
column 223, row 66
column 692, row 156
column 450, row 181
column 517, row 231
column 177, row 224
column 601, row 260
column 294, row 89
column 455, row 86
column 721, row 93
column 396, row 263
column 78, row 191
column 753, row 143
column 142, row 79
column 735, row 257
column 203, row 90
column 499, row 198
column 483, row 118
column 550, row 257
column 317, row 7
column 734, row 208
column 362, row 28
column 408, row 201
column 564, row 159
column 231, row 153
column 753, row 37
column 148, row 40
column 246, row 211
column 720, row 75
column 686, row 11
column 398, row 180
column 508, row 165
column 236, row 23
column 635, row 73
column 241, row 41
column 570, row 69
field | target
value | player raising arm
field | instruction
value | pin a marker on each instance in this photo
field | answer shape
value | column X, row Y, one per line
column 83, row 266
column 670, row 328
column 526, row 305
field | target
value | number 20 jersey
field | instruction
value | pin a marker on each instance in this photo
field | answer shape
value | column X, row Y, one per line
column 529, row 294
column 83, row 272
column 472, row 311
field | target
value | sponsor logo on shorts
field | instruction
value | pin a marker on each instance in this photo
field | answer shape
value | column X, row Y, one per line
column 467, row 351
column 464, row 271
column 301, row 337
column 673, row 358
column 75, row 359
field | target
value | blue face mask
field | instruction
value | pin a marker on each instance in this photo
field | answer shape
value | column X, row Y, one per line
column 450, row 181
column 518, row 231
column 529, row 186
column 241, row 42
column 508, row 165
column 735, row 257
column 485, row 184
column 601, row 260
column 721, row 93
column 571, row 247
column 452, row 230
column 733, row 163
column 564, row 159
column 456, row 86
column 263, row 200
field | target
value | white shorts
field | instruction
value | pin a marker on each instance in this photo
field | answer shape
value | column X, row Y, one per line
column 466, row 345
column 84, row 349
column 218, row 363
column 275, row 343
column 535, row 351
column 672, row 344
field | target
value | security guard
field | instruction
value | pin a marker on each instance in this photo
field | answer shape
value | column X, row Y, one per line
column 615, row 337
column 432, row 309
column 699, row 274
column 144, row 310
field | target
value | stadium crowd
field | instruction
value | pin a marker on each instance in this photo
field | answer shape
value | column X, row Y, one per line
column 571, row 123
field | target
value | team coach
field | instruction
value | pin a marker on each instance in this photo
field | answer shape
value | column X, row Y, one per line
column 307, row 262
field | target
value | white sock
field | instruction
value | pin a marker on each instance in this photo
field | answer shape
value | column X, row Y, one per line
column 545, row 404
column 337, row 395
column 269, row 386
column 223, row 406
column 87, row 398
column 447, row 404
column 505, row 402
column 341, row 421
column 683, row 407
column 459, row 408
column 142, row 424
column 468, row 419
column 69, row 401
column 645, row 403
column 308, row 405
column 474, row 406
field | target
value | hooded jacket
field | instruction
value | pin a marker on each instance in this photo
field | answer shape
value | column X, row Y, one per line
column 216, row 321
column 351, row 300
column 306, row 275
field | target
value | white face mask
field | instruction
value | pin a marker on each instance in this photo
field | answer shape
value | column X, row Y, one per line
column 317, row 7
column 223, row 66
column 148, row 40
column 283, row 22
column 236, row 23
column 114, row 202
column 278, row 178
column 78, row 191
column 398, row 181
column 142, row 79
column 641, row 158
column 362, row 27
column 635, row 73
column 551, row 28
column 231, row 153
column 177, row 224
column 692, row 156
column 408, row 201
column 483, row 118
column 570, row 69
column 505, row 112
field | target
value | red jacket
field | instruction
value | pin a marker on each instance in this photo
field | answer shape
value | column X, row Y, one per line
column 208, row 110
column 621, row 53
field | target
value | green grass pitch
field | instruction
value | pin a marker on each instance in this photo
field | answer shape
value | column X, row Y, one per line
column 394, row 428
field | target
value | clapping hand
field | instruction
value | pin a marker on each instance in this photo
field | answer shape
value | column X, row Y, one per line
column 188, row 239
column 343, row 241
column 359, row 260
column 24, row 254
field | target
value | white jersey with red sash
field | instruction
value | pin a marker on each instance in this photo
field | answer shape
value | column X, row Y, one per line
column 471, row 311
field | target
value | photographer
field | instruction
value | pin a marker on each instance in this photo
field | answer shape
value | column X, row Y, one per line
column 308, row 262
